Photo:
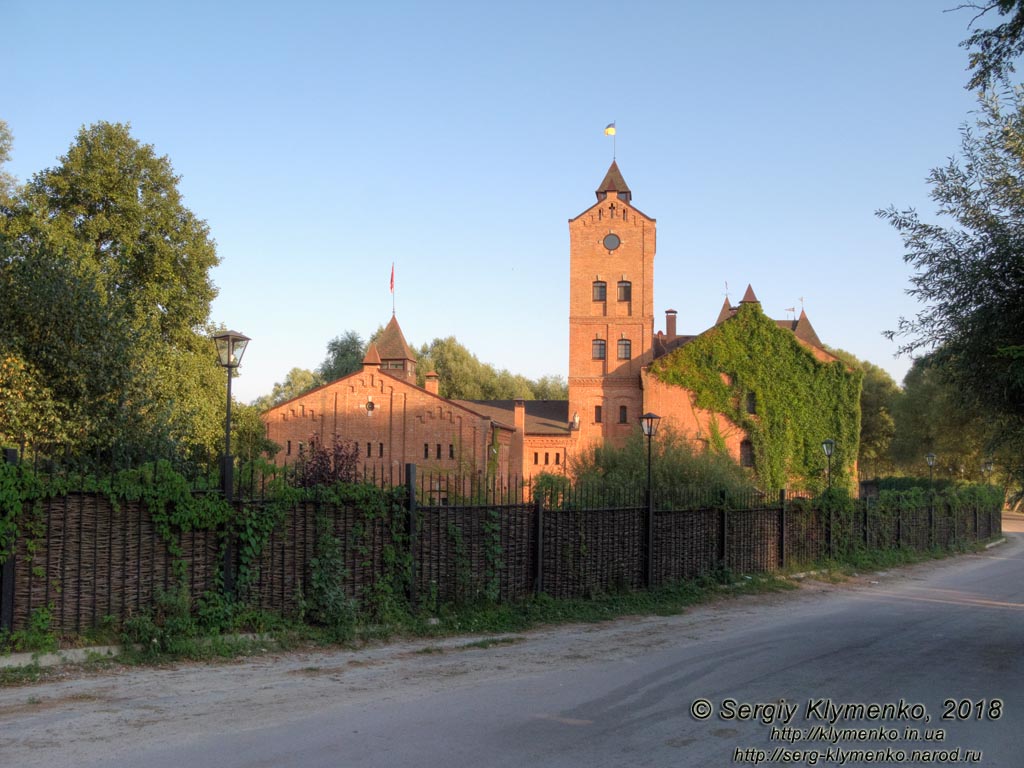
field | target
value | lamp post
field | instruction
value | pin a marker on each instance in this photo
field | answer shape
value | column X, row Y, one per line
column 649, row 425
column 930, row 458
column 828, row 446
column 230, row 348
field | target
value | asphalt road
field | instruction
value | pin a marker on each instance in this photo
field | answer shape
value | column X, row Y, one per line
column 782, row 679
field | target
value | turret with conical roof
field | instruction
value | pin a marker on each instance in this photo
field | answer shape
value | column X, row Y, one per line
column 396, row 356
column 613, row 182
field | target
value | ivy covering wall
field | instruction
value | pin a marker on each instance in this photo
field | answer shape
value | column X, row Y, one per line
column 799, row 400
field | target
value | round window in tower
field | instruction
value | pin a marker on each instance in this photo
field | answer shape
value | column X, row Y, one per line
column 611, row 241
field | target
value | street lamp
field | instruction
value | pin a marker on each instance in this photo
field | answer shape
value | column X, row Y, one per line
column 230, row 348
column 930, row 458
column 649, row 425
column 828, row 446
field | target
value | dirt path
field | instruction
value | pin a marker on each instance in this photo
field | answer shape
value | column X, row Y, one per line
column 85, row 717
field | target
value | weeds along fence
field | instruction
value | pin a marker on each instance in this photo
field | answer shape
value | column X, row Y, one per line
column 85, row 561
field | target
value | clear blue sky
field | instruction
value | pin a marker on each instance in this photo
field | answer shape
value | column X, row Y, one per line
column 323, row 141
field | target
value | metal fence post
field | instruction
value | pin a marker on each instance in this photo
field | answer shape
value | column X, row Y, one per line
column 411, row 530
column 782, row 528
column 649, row 545
column 867, row 519
column 538, row 578
column 7, row 569
column 723, row 534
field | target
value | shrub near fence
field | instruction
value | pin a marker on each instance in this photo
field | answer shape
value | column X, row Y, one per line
column 90, row 560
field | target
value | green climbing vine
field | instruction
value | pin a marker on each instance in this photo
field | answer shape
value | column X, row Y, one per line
column 799, row 400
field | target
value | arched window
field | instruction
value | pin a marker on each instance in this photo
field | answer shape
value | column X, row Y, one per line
column 597, row 349
column 625, row 349
column 600, row 290
column 623, row 415
column 625, row 290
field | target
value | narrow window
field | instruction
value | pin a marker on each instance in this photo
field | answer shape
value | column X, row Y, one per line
column 439, row 450
column 600, row 290
column 289, row 451
column 597, row 414
column 302, row 448
column 623, row 415
column 380, row 450
column 546, row 462
column 625, row 290
column 625, row 349
column 746, row 454
column 426, row 450
column 597, row 349
column 751, row 402
column 557, row 459
column 536, row 458
column 451, row 451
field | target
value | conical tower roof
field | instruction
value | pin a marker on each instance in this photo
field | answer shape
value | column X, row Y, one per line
column 392, row 344
column 613, row 182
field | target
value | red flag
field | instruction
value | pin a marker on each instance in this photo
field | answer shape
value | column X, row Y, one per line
column 392, row 277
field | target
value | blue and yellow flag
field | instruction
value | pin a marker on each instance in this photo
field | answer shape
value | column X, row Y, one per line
column 609, row 130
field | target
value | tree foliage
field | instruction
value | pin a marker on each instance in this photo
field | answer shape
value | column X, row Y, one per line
column 297, row 382
column 931, row 418
column 345, row 355
column 969, row 276
column 676, row 467
column 464, row 377
column 879, row 394
column 993, row 50
column 7, row 182
column 106, row 276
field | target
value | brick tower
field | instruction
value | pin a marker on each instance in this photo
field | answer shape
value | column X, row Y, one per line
column 611, row 312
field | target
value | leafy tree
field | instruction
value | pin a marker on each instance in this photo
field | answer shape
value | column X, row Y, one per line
column 112, row 274
column 878, row 396
column 970, row 275
column 297, row 382
column 676, row 468
column 994, row 49
column 931, row 418
column 551, row 388
column 464, row 377
column 345, row 355
column 7, row 182
column 249, row 433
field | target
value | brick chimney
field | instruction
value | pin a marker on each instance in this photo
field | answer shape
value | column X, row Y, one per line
column 431, row 382
column 670, row 323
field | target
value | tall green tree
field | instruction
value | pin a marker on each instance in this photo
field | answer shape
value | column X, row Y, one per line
column 930, row 417
column 297, row 382
column 112, row 274
column 878, row 396
column 345, row 355
column 969, row 270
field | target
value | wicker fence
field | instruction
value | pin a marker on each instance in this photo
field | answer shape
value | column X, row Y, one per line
column 90, row 562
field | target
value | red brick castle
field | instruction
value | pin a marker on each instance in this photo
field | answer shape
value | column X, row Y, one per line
column 611, row 344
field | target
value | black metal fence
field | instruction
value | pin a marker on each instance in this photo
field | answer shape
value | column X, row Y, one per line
column 89, row 562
